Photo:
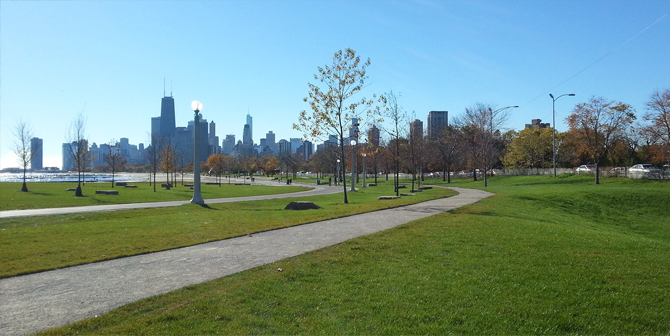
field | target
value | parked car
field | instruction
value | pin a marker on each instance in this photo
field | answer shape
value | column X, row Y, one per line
column 644, row 170
column 618, row 171
column 586, row 169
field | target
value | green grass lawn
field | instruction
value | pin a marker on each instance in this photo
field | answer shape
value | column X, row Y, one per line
column 53, row 195
column 30, row 244
column 542, row 256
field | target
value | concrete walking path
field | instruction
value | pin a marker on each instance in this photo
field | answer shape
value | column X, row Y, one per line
column 318, row 190
column 40, row 301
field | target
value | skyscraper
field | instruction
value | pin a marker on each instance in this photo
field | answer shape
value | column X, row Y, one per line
column 36, row 149
column 213, row 139
column 156, row 127
column 437, row 120
column 167, row 122
column 416, row 129
column 229, row 144
column 270, row 141
column 373, row 136
column 251, row 128
column 246, row 135
column 295, row 143
column 68, row 161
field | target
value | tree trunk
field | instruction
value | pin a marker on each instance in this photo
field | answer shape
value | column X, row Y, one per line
column 25, row 187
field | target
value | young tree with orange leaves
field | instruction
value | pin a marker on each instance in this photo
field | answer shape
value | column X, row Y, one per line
column 332, row 102
column 596, row 125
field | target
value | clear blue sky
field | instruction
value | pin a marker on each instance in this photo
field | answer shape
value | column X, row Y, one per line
column 109, row 59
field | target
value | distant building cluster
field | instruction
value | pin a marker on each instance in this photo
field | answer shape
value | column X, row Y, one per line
column 538, row 123
column 164, row 131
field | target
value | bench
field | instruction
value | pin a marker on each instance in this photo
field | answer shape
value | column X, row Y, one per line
column 425, row 188
column 416, row 190
column 130, row 186
column 188, row 185
column 121, row 184
column 107, row 192
column 71, row 189
column 406, row 194
column 372, row 184
column 166, row 185
column 212, row 183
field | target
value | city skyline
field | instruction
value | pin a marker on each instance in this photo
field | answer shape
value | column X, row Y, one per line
column 110, row 60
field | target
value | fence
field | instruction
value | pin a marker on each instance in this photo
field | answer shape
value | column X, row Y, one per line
column 604, row 171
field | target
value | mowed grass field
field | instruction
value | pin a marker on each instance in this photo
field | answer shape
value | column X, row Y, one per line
column 53, row 194
column 542, row 256
column 31, row 244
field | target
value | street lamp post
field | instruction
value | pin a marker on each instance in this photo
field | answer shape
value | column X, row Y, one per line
column 197, row 197
column 353, row 160
column 553, row 114
column 364, row 171
column 337, row 178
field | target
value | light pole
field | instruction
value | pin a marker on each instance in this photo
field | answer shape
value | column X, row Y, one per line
column 353, row 160
column 337, row 178
column 553, row 137
column 197, row 197
column 364, row 172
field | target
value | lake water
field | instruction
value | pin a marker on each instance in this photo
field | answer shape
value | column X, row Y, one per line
column 66, row 177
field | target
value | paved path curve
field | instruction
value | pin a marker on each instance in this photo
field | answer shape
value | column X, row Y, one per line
column 317, row 190
column 40, row 301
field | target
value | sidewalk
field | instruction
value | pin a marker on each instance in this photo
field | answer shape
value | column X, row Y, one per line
column 40, row 301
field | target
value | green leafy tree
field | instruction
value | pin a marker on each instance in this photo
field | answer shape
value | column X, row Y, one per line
column 332, row 100
column 596, row 125
column 530, row 148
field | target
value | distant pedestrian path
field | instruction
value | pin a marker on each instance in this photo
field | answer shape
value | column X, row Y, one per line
column 318, row 190
column 40, row 301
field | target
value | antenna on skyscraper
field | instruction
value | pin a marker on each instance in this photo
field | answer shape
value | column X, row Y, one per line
column 163, row 86
column 170, row 88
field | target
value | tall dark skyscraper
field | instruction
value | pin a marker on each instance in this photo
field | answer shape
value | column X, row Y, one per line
column 416, row 129
column 167, row 125
column 437, row 120
column 36, row 148
column 246, row 135
column 373, row 136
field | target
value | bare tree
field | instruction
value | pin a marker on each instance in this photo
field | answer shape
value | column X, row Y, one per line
column 114, row 159
column 448, row 148
column 333, row 105
column 22, row 147
column 153, row 153
column 482, row 123
column 398, row 118
column 78, row 149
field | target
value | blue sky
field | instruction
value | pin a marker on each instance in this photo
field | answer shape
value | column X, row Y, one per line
column 109, row 58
